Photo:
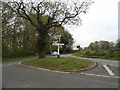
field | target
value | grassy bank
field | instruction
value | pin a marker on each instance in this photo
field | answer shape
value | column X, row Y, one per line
column 16, row 59
column 93, row 56
column 62, row 63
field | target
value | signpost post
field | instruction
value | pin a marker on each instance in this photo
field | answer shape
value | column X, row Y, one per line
column 58, row 44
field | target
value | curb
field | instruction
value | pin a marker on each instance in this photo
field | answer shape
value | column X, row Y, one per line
column 81, row 73
column 65, row 71
column 89, row 68
column 43, row 68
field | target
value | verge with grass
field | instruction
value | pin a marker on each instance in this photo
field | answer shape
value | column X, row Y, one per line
column 93, row 56
column 16, row 59
column 60, row 64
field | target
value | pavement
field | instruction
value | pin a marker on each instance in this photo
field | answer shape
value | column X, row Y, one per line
column 19, row 76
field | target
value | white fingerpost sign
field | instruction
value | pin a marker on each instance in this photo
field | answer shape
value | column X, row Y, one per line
column 58, row 44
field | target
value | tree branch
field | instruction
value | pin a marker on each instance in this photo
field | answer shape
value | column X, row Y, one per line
column 20, row 8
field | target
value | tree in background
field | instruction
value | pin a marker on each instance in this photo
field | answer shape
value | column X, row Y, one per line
column 99, row 45
column 118, row 43
column 67, row 39
column 79, row 48
column 21, row 40
column 53, row 37
column 18, row 36
column 103, row 48
column 11, row 26
column 47, row 16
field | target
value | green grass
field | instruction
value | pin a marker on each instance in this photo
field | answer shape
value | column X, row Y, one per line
column 100, row 57
column 78, row 54
column 62, row 63
column 104, row 57
column 16, row 59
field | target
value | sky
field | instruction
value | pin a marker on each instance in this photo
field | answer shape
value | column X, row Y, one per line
column 99, row 23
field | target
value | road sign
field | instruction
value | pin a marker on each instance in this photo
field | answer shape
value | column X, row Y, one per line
column 56, row 44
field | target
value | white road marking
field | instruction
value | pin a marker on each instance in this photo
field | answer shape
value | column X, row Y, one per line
column 113, row 65
column 98, row 75
column 70, row 72
column 108, row 70
column 116, row 65
column 9, row 64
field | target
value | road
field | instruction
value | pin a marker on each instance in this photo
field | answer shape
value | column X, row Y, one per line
column 100, row 70
column 103, row 61
column 20, row 76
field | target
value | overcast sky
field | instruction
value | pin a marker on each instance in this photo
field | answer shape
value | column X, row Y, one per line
column 100, row 23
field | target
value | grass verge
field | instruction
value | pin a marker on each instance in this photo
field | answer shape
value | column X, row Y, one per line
column 61, row 64
column 100, row 57
column 16, row 59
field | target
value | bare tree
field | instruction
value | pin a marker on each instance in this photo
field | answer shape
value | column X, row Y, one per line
column 46, row 15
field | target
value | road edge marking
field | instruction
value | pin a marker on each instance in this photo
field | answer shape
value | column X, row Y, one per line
column 108, row 70
column 99, row 75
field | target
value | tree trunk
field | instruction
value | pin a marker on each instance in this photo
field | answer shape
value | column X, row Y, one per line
column 42, row 42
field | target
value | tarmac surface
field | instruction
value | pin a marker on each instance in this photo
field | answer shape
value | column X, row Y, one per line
column 19, row 76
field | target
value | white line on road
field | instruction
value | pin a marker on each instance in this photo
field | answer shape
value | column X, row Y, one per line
column 99, row 75
column 70, row 72
column 108, row 70
column 116, row 65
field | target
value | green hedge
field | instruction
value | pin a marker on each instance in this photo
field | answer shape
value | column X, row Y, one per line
column 19, row 52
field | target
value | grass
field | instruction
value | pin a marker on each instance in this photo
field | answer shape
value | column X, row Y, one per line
column 104, row 57
column 62, row 63
column 78, row 54
column 16, row 59
column 100, row 57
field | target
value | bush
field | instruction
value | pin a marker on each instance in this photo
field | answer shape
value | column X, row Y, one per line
column 89, row 53
column 17, row 52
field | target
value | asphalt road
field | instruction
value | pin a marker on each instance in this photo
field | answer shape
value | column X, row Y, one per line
column 102, row 61
column 100, row 70
column 20, row 76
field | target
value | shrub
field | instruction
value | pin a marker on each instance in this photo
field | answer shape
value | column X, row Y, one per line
column 17, row 52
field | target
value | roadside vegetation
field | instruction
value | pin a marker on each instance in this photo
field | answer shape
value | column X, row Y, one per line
column 63, row 63
column 16, row 59
column 21, row 42
column 80, row 54
column 26, row 33
column 101, row 49
column 28, row 24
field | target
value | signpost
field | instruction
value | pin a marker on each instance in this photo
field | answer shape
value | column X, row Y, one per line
column 58, row 44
